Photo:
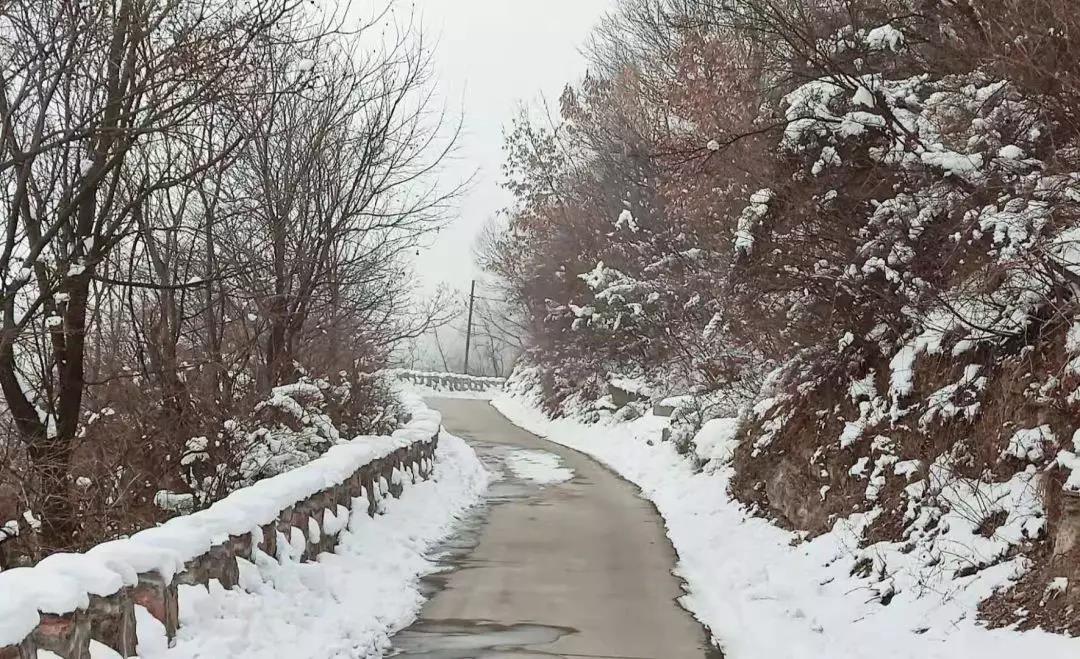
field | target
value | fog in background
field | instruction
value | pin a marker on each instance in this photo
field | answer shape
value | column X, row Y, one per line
column 491, row 56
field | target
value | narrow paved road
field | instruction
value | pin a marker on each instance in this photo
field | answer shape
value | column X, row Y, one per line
column 580, row 568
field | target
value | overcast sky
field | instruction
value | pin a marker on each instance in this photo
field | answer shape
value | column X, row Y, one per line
column 491, row 55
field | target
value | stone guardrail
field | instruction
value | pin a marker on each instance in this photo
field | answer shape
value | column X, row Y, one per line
column 68, row 600
column 448, row 381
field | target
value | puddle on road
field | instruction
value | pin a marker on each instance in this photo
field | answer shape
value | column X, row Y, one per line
column 470, row 639
column 455, row 552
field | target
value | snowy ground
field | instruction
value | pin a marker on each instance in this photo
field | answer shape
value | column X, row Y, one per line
column 344, row 605
column 762, row 595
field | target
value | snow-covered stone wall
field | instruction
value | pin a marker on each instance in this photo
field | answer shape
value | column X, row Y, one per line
column 435, row 382
column 68, row 603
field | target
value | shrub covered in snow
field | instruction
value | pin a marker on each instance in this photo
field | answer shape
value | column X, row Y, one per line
column 145, row 466
column 295, row 424
column 853, row 240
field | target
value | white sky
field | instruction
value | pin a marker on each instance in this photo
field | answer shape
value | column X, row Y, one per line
column 491, row 55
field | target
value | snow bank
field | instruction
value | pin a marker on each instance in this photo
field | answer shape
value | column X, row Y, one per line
column 63, row 584
column 763, row 594
column 345, row 604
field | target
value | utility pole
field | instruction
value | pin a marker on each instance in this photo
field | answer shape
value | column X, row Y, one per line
column 468, row 328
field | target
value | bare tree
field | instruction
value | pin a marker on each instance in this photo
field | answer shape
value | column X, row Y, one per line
column 200, row 196
column 338, row 193
column 94, row 101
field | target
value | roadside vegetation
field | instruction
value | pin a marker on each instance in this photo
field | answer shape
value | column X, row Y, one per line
column 852, row 228
column 209, row 208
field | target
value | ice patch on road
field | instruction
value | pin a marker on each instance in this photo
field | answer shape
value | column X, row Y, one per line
column 538, row 466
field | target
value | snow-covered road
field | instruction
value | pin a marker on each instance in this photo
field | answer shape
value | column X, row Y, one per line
column 567, row 560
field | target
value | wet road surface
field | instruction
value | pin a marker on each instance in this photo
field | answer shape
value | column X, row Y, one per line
column 578, row 568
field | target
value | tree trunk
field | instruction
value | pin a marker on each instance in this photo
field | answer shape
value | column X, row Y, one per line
column 49, row 457
column 50, row 462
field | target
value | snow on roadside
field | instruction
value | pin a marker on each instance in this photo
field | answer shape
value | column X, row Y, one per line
column 761, row 595
column 345, row 604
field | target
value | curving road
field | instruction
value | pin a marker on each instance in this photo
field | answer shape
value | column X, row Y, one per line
column 580, row 568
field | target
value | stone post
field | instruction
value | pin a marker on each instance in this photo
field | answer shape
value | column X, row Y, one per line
column 25, row 650
column 160, row 599
column 112, row 622
column 269, row 541
column 1067, row 533
column 67, row 635
column 218, row 563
